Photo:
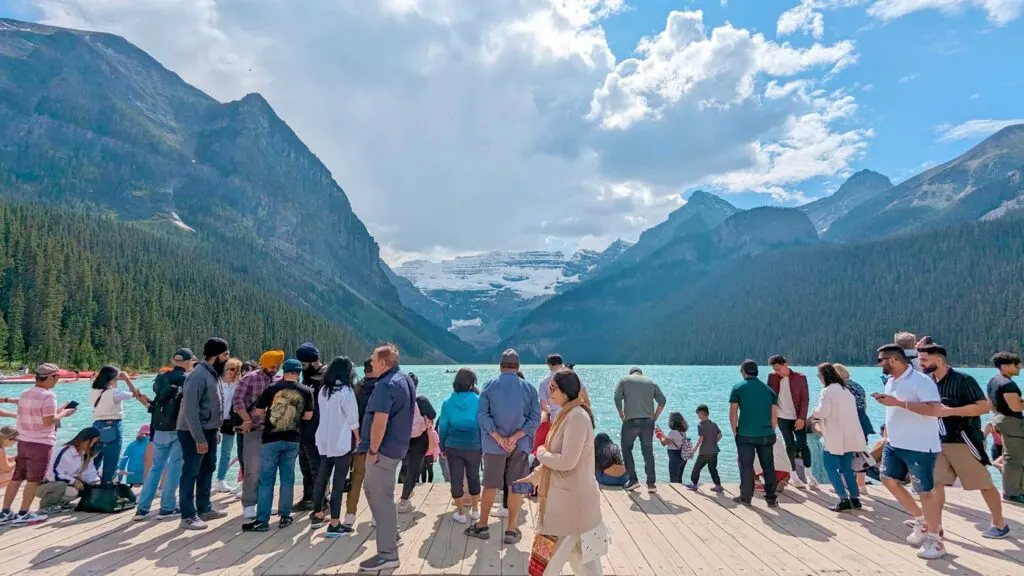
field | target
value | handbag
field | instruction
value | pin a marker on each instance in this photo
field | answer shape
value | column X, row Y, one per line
column 594, row 543
column 862, row 462
column 106, row 498
column 540, row 553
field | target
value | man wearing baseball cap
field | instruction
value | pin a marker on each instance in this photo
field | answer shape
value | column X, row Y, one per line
column 38, row 417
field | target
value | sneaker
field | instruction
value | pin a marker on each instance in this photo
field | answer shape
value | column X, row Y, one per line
column 28, row 519
column 512, row 536
column 6, row 517
column 476, row 531
column 249, row 512
column 917, row 534
column 378, row 564
column 652, row 489
column 373, row 522
column 798, row 483
column 1018, row 499
column 405, row 507
column 855, row 502
column 316, row 522
column 303, row 506
column 350, row 519
column 193, row 523
column 740, row 500
column 168, row 514
column 932, row 548
column 237, row 490
column 55, row 509
column 460, row 518
column 812, row 484
column 692, row 486
column 499, row 512
column 255, row 526
column 222, row 487
column 141, row 516
column 337, row 531
column 632, row 486
column 212, row 515
column 718, row 488
column 996, row 533
column 474, row 515
column 285, row 522
column 841, row 506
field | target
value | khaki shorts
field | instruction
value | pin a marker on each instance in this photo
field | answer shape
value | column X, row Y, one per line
column 957, row 461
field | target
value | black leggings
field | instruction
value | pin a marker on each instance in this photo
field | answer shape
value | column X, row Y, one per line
column 427, row 475
column 340, row 466
column 418, row 447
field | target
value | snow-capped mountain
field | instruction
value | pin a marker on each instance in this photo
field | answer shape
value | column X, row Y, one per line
column 484, row 294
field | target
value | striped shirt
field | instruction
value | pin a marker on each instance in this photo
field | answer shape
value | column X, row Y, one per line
column 33, row 405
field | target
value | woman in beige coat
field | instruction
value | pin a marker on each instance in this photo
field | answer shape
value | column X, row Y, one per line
column 843, row 436
column 570, row 500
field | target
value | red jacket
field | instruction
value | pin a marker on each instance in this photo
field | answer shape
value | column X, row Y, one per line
column 797, row 387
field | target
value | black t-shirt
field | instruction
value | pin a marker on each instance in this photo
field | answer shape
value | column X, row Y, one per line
column 957, row 390
column 998, row 386
column 314, row 382
column 285, row 404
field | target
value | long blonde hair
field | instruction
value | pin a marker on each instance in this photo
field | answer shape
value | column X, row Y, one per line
column 842, row 371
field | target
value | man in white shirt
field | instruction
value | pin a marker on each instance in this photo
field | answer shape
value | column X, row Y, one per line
column 912, row 410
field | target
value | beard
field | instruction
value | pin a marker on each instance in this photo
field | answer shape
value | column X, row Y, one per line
column 929, row 369
column 219, row 366
column 309, row 371
column 885, row 370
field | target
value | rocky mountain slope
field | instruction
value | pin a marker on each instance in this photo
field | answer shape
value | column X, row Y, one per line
column 856, row 190
column 88, row 120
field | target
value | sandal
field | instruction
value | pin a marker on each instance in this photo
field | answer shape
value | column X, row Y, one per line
column 512, row 536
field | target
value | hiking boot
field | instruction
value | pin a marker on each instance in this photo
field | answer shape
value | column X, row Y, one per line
column 193, row 523
column 255, row 526
column 478, row 532
column 378, row 564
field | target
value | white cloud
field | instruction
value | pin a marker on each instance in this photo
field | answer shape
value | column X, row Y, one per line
column 808, row 17
column 999, row 12
column 458, row 126
column 973, row 129
column 909, row 78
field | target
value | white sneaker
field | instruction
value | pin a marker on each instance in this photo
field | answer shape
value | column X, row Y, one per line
column 193, row 523
column 795, row 482
column 350, row 519
column 652, row 489
column 28, row 518
column 500, row 512
column 932, row 548
column 918, row 534
column 405, row 506
column 812, row 483
column 222, row 486
column 249, row 512
column 460, row 518
column 474, row 514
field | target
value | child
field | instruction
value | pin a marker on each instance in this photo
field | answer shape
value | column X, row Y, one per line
column 133, row 463
column 783, row 468
column 8, row 437
column 708, row 437
column 678, row 444
column 817, row 472
column 70, row 469
column 997, row 445
column 433, row 452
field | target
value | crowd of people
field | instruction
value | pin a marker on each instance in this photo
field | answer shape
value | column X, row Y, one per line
column 356, row 437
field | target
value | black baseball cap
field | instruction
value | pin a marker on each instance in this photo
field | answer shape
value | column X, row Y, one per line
column 184, row 354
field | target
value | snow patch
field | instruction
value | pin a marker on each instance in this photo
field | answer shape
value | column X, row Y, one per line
column 474, row 323
column 530, row 273
column 176, row 220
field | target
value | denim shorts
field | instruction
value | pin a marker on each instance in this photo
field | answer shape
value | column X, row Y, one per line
column 897, row 463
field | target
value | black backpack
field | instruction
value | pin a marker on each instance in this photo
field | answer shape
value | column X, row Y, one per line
column 167, row 404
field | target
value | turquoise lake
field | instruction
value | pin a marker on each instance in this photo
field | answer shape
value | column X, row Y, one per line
column 685, row 387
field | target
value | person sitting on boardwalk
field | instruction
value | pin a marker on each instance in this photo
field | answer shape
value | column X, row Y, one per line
column 132, row 467
column 753, row 413
column 247, row 392
column 635, row 399
column 608, row 462
column 70, row 470
column 336, row 436
column 783, row 469
column 912, row 406
column 570, row 501
column 963, row 455
column 283, row 406
column 509, row 415
column 1008, row 418
column 459, row 437
column 708, row 437
column 843, row 436
column 38, row 417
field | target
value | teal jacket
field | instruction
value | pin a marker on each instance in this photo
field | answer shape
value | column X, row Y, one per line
column 133, row 461
column 457, row 426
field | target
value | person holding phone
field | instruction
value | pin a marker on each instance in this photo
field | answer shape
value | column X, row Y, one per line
column 107, row 402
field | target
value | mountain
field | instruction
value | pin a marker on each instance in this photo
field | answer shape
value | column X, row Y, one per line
column 483, row 296
column 858, row 189
column 597, row 320
column 985, row 183
column 89, row 121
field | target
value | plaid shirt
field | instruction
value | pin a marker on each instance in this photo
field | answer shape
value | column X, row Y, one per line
column 248, row 391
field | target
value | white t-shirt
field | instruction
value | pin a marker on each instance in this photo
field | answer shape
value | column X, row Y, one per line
column 787, row 410
column 339, row 416
column 905, row 429
column 109, row 406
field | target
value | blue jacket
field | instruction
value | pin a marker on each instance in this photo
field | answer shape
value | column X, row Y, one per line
column 134, row 461
column 457, row 426
column 508, row 405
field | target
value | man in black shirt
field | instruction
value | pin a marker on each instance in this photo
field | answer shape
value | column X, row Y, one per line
column 313, row 371
column 1009, row 421
column 963, row 453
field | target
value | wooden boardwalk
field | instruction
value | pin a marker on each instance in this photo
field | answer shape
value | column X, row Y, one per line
column 675, row 532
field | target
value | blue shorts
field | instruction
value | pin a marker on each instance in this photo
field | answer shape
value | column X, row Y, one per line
column 897, row 463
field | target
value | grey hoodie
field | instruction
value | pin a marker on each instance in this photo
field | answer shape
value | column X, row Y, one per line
column 200, row 403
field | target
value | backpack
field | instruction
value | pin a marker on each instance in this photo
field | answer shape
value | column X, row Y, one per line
column 167, row 404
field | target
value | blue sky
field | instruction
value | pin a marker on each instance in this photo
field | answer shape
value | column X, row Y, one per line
column 546, row 114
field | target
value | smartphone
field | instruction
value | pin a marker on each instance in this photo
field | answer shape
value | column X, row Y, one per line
column 522, row 488
column 71, row 405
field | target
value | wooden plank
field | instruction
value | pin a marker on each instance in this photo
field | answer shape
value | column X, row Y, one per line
column 628, row 558
column 659, row 551
column 422, row 533
column 369, row 548
column 515, row 558
column 660, row 530
column 12, row 536
column 341, row 549
column 670, row 518
column 484, row 556
column 447, row 542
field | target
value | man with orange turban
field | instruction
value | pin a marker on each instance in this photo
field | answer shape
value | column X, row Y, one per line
column 246, row 393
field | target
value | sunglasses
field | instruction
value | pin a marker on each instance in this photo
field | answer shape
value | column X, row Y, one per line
column 232, row 369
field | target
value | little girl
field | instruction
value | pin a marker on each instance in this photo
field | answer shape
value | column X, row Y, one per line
column 8, row 437
column 433, row 452
column 997, row 445
column 678, row 444
column 70, row 469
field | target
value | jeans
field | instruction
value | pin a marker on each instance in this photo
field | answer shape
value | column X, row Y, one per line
column 309, row 466
column 227, row 444
column 676, row 466
column 109, row 452
column 379, row 485
column 840, row 469
column 617, row 481
column 274, row 457
column 418, row 447
column 464, row 464
column 166, row 457
column 337, row 466
column 762, row 447
column 196, row 474
column 642, row 428
column 709, row 460
column 796, row 443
